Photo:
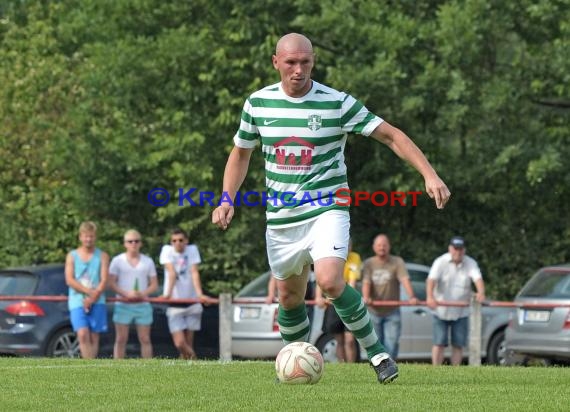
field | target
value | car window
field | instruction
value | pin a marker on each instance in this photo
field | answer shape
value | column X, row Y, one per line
column 55, row 284
column 418, row 280
column 17, row 283
column 257, row 288
column 417, row 275
column 552, row 285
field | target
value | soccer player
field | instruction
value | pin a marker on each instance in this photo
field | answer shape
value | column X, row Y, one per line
column 302, row 126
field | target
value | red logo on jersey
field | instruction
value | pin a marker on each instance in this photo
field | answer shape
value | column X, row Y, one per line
column 294, row 157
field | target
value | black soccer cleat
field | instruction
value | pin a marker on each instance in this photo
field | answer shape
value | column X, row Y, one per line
column 386, row 369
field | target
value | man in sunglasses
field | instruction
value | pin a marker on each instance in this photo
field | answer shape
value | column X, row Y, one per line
column 182, row 281
column 450, row 279
column 132, row 277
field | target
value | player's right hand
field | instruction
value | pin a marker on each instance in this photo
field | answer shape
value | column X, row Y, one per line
column 222, row 216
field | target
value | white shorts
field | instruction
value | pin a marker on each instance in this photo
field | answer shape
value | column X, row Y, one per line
column 290, row 249
column 185, row 318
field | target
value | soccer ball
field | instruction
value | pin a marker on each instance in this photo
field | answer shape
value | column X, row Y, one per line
column 299, row 362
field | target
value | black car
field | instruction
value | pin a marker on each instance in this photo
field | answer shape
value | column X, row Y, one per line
column 43, row 328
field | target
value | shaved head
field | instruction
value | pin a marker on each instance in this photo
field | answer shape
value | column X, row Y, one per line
column 294, row 60
column 293, row 43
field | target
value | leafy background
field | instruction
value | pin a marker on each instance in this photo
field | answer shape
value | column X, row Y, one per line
column 101, row 101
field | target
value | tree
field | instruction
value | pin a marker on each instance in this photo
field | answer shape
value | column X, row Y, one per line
column 103, row 101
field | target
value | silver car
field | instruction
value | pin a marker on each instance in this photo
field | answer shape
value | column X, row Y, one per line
column 255, row 332
column 541, row 329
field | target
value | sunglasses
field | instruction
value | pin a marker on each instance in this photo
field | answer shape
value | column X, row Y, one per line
column 133, row 241
column 177, row 240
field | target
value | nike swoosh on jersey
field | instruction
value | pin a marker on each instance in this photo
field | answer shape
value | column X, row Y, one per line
column 268, row 122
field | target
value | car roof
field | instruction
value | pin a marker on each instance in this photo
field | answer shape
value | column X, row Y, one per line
column 564, row 267
column 36, row 269
column 417, row 266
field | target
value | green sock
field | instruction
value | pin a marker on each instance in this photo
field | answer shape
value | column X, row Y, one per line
column 294, row 324
column 353, row 313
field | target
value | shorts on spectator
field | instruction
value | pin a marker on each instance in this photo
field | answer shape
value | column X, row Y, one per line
column 137, row 313
column 189, row 318
column 95, row 320
column 459, row 331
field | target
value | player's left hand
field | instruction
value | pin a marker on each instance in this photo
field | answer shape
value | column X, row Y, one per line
column 437, row 190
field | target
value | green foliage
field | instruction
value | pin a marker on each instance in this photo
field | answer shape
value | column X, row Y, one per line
column 102, row 101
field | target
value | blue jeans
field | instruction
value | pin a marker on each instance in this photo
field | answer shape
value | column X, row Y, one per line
column 388, row 329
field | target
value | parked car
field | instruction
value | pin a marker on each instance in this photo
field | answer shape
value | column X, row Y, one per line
column 43, row 328
column 542, row 331
column 255, row 332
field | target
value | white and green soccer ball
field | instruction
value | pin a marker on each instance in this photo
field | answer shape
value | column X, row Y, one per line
column 299, row 363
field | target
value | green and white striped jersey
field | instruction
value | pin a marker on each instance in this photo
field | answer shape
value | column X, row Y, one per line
column 303, row 141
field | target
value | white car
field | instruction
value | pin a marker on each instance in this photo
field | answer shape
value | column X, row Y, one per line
column 255, row 332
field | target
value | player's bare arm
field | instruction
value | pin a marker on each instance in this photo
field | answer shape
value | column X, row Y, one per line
column 406, row 149
column 234, row 175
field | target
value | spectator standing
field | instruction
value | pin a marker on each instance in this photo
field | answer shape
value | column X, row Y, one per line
column 132, row 276
column 450, row 279
column 182, row 281
column 86, row 273
column 382, row 275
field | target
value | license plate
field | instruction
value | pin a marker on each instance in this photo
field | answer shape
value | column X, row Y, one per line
column 250, row 313
column 537, row 316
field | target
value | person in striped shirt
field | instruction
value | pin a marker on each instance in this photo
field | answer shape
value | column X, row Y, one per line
column 302, row 128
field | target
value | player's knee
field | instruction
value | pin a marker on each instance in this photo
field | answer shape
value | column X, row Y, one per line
column 291, row 299
column 331, row 287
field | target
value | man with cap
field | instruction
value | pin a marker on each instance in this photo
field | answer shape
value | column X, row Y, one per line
column 450, row 279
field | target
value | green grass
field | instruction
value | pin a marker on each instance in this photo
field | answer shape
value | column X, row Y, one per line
column 160, row 384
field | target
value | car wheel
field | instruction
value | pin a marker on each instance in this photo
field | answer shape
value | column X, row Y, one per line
column 497, row 353
column 327, row 346
column 63, row 344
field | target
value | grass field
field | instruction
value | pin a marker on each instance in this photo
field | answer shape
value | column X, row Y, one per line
column 160, row 384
